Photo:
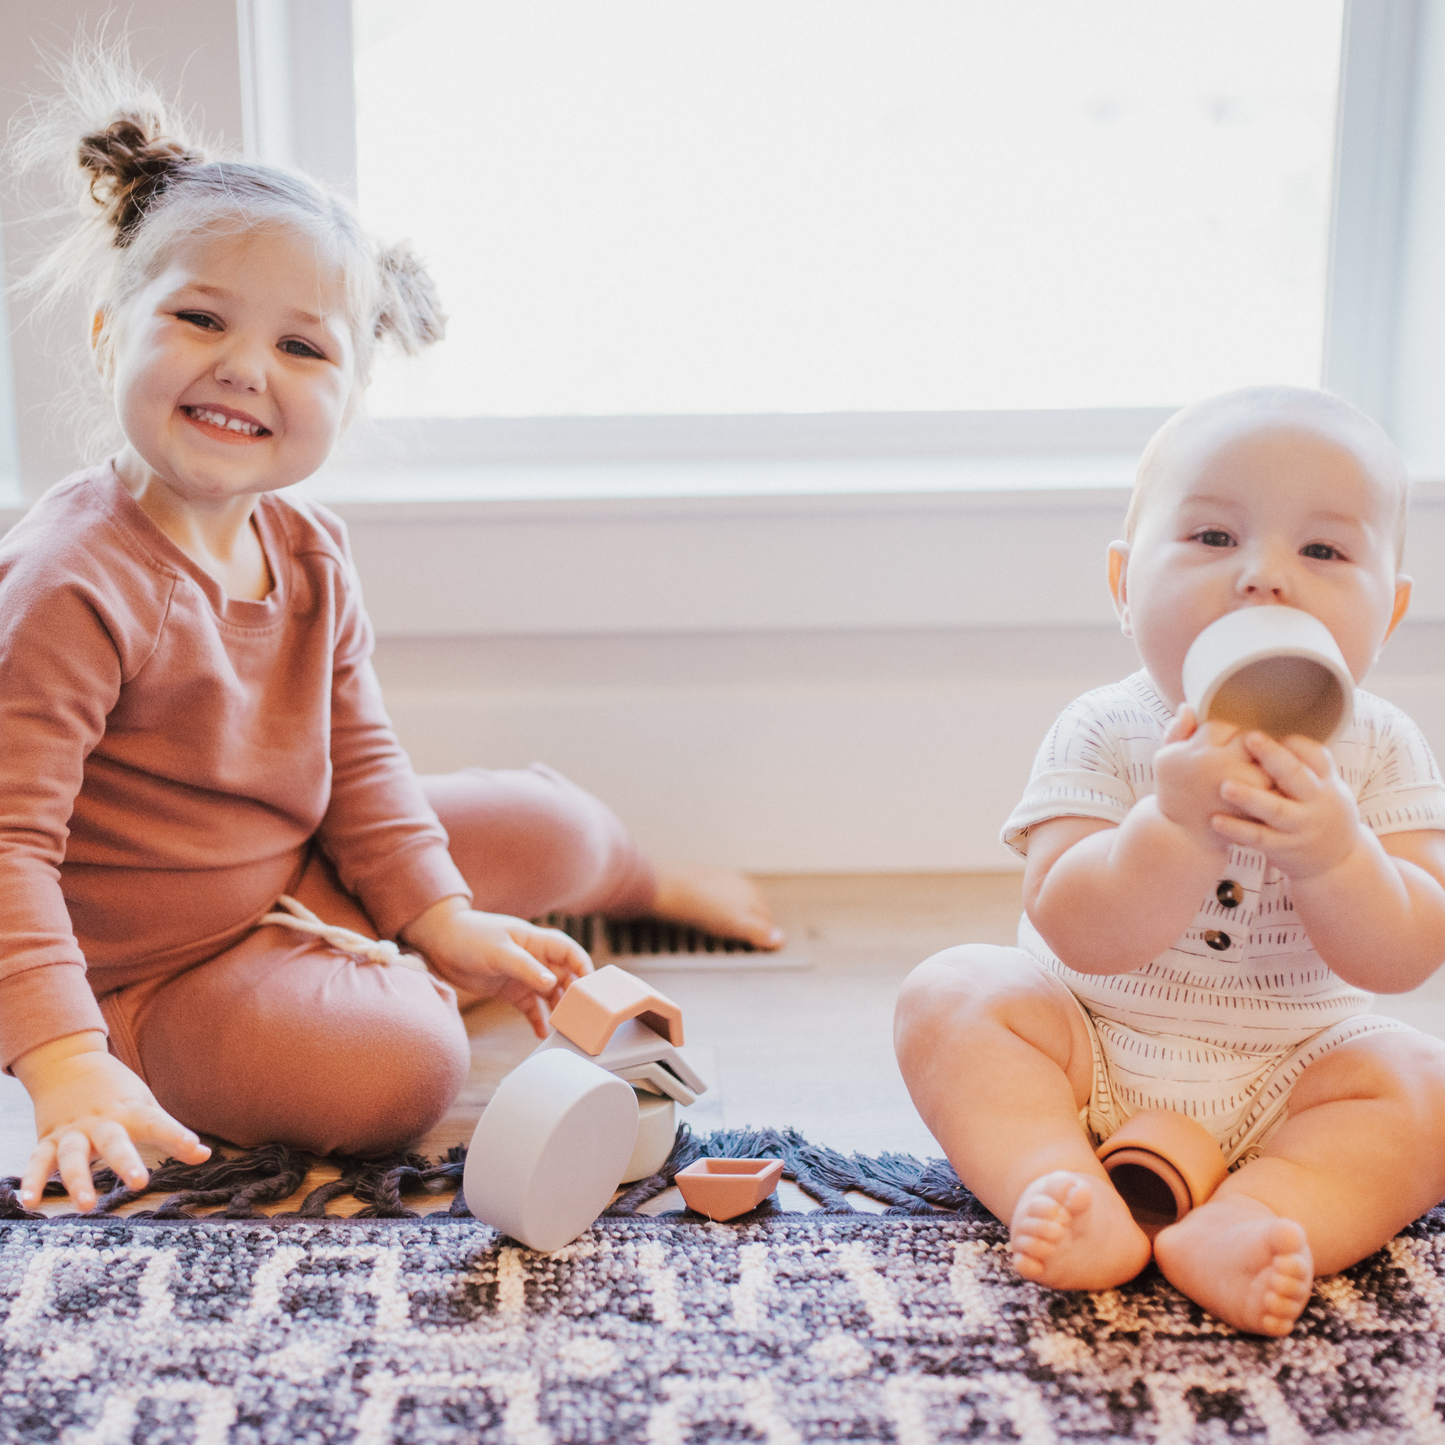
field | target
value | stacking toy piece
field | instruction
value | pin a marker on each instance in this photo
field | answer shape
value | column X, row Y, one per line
column 1273, row 668
column 1163, row 1164
column 656, row 1078
column 724, row 1188
column 550, row 1148
column 597, row 1003
column 634, row 1045
column 656, row 1133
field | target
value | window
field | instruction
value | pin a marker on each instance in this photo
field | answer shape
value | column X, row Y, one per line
column 652, row 207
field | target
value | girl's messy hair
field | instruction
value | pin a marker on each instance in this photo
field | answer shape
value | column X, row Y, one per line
column 142, row 185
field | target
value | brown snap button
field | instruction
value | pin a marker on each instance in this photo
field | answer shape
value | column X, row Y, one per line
column 1217, row 940
column 1229, row 893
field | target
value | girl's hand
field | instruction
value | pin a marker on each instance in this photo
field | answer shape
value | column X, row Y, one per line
column 89, row 1105
column 1192, row 767
column 492, row 955
column 1307, row 822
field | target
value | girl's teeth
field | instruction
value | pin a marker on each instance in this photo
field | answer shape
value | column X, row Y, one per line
column 231, row 423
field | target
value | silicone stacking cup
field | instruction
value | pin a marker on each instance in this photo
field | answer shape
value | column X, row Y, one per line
column 1273, row 668
column 724, row 1188
column 1163, row 1164
column 550, row 1148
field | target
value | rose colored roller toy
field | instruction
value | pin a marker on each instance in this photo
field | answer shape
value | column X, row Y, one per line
column 1163, row 1164
column 1273, row 668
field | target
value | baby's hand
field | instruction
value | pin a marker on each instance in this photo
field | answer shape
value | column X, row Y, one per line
column 492, row 955
column 1307, row 823
column 88, row 1105
column 1192, row 767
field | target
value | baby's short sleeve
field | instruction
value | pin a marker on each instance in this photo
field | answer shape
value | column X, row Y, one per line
column 1388, row 765
column 1097, row 760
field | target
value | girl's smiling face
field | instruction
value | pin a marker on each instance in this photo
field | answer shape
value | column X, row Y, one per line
column 233, row 369
column 1271, row 515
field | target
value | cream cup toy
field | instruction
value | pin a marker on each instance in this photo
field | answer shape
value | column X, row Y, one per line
column 550, row 1149
column 1276, row 669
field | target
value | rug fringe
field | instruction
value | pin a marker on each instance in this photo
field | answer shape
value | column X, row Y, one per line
column 242, row 1182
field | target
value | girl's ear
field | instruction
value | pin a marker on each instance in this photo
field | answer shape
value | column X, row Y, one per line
column 1119, row 584
column 100, row 341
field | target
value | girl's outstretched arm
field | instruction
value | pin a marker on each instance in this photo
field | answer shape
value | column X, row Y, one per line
column 491, row 955
column 88, row 1104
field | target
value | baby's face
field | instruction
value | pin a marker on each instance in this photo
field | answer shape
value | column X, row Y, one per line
column 1244, row 516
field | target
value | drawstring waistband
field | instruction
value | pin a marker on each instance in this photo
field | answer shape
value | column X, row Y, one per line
column 382, row 951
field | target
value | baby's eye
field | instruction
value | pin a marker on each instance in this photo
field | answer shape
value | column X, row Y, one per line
column 199, row 318
column 294, row 346
column 1214, row 537
column 1321, row 552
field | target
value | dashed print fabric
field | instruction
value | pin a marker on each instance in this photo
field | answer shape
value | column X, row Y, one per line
column 1216, row 1024
column 785, row 1330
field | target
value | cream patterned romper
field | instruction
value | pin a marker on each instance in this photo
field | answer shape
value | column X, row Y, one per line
column 1221, row 1025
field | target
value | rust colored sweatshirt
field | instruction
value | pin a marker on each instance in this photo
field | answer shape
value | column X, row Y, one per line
column 168, row 755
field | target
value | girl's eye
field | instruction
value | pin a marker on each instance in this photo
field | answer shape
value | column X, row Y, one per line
column 1214, row 537
column 1321, row 552
column 199, row 318
column 294, row 346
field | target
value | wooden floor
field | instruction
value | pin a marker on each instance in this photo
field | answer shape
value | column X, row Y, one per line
column 808, row 1048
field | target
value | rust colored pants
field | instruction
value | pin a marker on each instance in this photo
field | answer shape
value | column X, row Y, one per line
column 283, row 1038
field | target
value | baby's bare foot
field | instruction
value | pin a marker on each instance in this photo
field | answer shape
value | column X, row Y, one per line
column 1242, row 1262
column 1072, row 1231
column 719, row 900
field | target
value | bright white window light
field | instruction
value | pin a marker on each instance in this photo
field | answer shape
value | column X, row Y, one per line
column 666, row 206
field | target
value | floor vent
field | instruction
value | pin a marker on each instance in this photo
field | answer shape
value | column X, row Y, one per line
column 644, row 944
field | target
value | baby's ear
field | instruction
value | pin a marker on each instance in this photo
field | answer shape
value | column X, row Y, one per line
column 411, row 314
column 1119, row 583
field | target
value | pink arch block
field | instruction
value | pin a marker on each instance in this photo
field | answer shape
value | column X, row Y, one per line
column 594, row 1006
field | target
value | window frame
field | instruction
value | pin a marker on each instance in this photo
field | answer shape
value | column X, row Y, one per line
column 312, row 124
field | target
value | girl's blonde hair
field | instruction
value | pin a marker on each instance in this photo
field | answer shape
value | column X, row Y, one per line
column 142, row 186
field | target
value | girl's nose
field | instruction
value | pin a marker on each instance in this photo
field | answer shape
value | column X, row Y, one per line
column 242, row 368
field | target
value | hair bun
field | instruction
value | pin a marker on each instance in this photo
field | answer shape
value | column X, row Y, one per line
column 131, row 162
column 410, row 313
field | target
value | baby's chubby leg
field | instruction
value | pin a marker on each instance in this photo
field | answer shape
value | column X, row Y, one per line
column 1361, row 1155
column 998, row 1062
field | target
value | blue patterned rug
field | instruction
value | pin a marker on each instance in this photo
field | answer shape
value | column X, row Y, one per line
column 906, row 1327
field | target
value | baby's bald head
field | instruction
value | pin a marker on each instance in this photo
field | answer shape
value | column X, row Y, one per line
column 1210, row 424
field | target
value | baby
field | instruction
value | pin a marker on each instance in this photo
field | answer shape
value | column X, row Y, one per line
column 1208, row 911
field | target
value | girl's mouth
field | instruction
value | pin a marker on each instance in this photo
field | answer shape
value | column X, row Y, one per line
column 234, row 428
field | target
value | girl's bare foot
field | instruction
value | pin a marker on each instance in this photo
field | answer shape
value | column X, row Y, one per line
column 1072, row 1231
column 718, row 900
column 1242, row 1262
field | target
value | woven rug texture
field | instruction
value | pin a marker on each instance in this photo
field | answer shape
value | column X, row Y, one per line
column 909, row 1327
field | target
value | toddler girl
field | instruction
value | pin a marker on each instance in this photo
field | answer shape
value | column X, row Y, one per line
column 1209, row 911
column 193, row 729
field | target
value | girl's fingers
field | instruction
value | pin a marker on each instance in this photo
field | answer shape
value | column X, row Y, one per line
column 530, row 1007
column 158, row 1128
column 564, row 956
column 114, row 1146
column 519, row 964
column 38, row 1168
column 73, row 1153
